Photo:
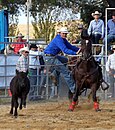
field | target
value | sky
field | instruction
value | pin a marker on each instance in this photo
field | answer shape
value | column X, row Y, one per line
column 23, row 19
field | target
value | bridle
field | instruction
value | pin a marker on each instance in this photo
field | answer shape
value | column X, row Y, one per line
column 89, row 51
column 88, row 58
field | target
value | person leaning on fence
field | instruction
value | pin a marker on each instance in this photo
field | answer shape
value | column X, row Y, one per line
column 59, row 43
column 80, row 29
column 96, row 28
column 20, row 43
column 111, row 31
column 34, row 66
column 22, row 64
column 110, row 68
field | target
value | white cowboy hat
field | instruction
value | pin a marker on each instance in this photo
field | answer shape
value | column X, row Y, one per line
column 20, row 35
column 113, row 47
column 96, row 13
column 64, row 30
column 41, row 46
column 24, row 49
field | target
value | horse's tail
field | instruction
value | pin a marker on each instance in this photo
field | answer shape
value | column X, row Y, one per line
column 104, row 85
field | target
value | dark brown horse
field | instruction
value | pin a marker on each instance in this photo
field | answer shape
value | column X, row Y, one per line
column 86, row 74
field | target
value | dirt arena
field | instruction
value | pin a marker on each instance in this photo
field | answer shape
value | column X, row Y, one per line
column 54, row 116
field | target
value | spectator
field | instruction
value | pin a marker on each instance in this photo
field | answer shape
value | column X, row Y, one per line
column 33, row 70
column 40, row 48
column 22, row 64
column 110, row 68
column 80, row 29
column 20, row 43
column 96, row 28
column 9, row 49
column 111, row 30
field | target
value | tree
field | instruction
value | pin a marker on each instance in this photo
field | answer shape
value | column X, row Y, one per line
column 111, row 3
column 43, row 24
column 85, row 6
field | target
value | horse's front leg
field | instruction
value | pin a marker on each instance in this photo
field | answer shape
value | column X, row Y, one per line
column 70, row 96
column 96, row 103
column 75, row 99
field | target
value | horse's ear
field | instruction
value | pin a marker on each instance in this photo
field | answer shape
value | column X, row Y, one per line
column 84, row 35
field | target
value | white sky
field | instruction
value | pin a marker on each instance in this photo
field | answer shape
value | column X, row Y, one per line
column 23, row 19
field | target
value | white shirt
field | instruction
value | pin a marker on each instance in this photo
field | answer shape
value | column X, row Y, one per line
column 34, row 59
column 110, row 62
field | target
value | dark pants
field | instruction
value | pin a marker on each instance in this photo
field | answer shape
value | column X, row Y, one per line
column 96, row 38
column 33, row 83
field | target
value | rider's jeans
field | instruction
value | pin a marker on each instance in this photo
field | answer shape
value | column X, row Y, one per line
column 60, row 67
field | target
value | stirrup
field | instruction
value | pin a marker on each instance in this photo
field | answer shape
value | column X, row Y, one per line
column 104, row 85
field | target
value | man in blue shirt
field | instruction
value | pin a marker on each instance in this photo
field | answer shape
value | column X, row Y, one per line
column 96, row 28
column 57, row 45
column 111, row 30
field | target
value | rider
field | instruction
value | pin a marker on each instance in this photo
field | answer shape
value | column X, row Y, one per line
column 52, row 57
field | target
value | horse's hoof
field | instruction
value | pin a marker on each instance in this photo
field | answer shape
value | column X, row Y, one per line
column 20, row 108
column 24, row 106
column 11, row 112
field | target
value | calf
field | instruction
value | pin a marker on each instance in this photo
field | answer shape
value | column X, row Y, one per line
column 19, row 87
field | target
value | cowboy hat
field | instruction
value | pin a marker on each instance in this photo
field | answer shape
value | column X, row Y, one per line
column 96, row 13
column 41, row 46
column 33, row 46
column 24, row 49
column 20, row 35
column 64, row 30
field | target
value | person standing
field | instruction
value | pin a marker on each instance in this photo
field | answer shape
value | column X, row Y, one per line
column 111, row 31
column 33, row 71
column 96, row 28
column 20, row 43
column 110, row 68
column 59, row 43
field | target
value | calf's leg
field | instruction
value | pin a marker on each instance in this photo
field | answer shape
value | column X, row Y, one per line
column 20, row 103
column 16, row 106
column 12, row 105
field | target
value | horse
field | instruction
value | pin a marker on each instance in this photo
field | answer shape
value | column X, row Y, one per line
column 86, row 74
column 19, row 87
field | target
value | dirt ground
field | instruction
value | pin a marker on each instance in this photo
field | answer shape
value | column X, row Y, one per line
column 52, row 115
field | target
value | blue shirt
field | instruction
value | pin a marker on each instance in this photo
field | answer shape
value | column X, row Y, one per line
column 111, row 27
column 60, row 44
column 96, row 27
